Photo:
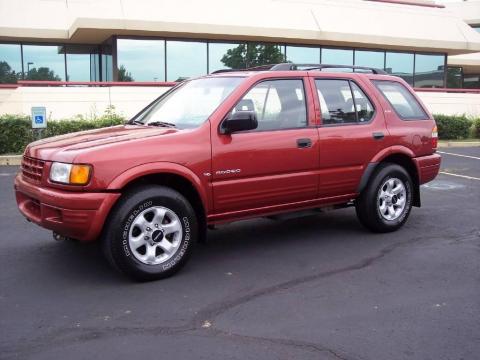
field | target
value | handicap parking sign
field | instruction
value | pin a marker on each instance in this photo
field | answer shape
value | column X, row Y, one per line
column 39, row 117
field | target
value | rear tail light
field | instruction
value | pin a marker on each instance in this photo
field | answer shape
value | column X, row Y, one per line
column 435, row 138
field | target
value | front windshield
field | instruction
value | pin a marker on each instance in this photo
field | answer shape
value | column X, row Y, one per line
column 189, row 105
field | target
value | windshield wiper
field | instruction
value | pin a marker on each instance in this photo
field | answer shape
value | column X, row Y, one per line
column 161, row 123
column 137, row 122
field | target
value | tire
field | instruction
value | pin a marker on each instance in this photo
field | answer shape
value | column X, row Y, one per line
column 378, row 207
column 150, row 233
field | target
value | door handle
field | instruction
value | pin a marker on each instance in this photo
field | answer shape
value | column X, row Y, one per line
column 378, row 135
column 304, row 143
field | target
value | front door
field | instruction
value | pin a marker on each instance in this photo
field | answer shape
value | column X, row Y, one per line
column 273, row 164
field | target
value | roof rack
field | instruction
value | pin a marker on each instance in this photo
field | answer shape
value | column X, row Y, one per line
column 304, row 67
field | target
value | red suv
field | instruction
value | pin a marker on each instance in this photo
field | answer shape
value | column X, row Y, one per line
column 230, row 146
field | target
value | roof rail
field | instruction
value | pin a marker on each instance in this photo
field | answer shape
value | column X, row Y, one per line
column 254, row 68
column 304, row 67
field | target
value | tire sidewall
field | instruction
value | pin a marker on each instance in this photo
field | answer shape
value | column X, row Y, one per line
column 121, row 252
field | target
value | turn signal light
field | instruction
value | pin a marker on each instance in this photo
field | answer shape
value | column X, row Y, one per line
column 80, row 174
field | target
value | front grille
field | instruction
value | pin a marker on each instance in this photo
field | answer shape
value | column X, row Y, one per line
column 32, row 169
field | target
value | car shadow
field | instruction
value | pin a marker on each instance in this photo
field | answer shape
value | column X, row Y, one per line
column 85, row 262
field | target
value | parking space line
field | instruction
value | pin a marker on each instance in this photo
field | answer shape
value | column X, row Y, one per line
column 462, row 176
column 466, row 156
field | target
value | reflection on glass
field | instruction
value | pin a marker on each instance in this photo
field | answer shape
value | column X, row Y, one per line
column 454, row 77
column 220, row 52
column 303, row 55
column 43, row 62
column 179, row 59
column 337, row 57
column 10, row 63
column 375, row 59
column 141, row 60
column 82, row 63
column 264, row 54
column 471, row 81
column 106, row 61
column 400, row 64
column 190, row 104
column 429, row 71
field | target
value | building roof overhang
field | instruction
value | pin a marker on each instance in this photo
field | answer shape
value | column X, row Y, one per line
column 349, row 23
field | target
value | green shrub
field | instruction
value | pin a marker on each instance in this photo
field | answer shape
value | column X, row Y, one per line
column 453, row 126
column 16, row 130
column 476, row 128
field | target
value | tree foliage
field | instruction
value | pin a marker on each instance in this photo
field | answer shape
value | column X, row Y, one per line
column 244, row 56
column 7, row 74
column 42, row 73
column 124, row 75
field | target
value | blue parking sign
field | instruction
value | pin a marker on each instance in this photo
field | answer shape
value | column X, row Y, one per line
column 39, row 117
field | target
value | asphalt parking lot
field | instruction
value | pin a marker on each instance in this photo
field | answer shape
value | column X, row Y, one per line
column 316, row 287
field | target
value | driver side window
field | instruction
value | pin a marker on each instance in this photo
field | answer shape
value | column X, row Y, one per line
column 278, row 104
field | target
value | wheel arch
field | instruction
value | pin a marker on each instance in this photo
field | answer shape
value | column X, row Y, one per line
column 172, row 175
column 400, row 156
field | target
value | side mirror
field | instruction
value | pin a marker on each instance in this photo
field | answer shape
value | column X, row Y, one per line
column 239, row 121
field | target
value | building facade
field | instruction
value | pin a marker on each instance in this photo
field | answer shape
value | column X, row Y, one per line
column 430, row 45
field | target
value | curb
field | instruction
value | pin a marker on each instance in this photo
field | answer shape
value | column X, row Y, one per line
column 445, row 144
column 10, row 160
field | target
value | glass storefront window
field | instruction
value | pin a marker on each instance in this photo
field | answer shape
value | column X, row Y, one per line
column 429, row 71
column 43, row 62
column 219, row 53
column 10, row 63
column 337, row 57
column 454, row 77
column 375, row 59
column 179, row 59
column 400, row 64
column 303, row 54
column 141, row 60
column 264, row 54
column 82, row 63
column 471, row 81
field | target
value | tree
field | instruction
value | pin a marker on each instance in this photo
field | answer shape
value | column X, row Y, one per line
column 7, row 75
column 124, row 75
column 250, row 55
column 42, row 73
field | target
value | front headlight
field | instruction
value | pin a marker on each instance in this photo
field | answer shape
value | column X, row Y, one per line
column 70, row 173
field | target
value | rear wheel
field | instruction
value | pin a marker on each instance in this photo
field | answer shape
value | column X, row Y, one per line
column 386, row 202
column 150, row 233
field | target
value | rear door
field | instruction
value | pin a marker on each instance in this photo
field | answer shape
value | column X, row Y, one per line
column 352, row 131
column 274, row 164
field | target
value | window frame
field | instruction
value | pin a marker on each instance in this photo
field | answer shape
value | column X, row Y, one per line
column 425, row 112
column 240, row 98
column 349, row 80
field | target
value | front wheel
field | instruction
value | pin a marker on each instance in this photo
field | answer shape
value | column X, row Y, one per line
column 385, row 204
column 150, row 233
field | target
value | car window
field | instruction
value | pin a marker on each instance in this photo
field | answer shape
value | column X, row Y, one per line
column 336, row 101
column 278, row 104
column 402, row 101
column 364, row 107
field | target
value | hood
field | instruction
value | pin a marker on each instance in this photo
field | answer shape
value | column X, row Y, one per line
column 66, row 147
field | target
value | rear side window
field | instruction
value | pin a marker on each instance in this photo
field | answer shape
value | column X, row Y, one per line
column 343, row 102
column 402, row 101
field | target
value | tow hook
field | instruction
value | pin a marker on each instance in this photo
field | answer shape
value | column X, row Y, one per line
column 58, row 237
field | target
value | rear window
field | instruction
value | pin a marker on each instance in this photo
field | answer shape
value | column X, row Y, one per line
column 402, row 101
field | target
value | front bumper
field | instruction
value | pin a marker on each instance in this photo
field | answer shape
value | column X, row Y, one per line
column 427, row 167
column 77, row 215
